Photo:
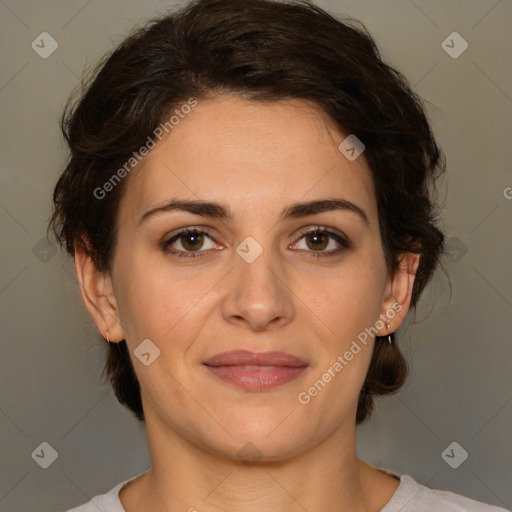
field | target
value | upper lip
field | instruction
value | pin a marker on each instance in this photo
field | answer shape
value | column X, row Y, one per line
column 246, row 358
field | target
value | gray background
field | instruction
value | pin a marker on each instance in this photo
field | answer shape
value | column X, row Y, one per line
column 459, row 348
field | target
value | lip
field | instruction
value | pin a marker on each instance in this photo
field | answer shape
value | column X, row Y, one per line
column 256, row 371
column 247, row 358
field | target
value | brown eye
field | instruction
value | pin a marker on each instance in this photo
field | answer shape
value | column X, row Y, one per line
column 317, row 240
column 191, row 241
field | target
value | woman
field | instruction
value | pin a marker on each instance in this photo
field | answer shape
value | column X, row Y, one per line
column 247, row 203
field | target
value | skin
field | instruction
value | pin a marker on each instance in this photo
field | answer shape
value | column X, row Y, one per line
column 255, row 158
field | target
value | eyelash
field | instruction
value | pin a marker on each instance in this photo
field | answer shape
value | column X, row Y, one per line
column 344, row 243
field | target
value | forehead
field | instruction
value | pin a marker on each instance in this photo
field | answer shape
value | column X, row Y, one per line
column 249, row 154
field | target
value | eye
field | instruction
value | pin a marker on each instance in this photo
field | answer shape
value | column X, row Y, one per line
column 191, row 240
column 319, row 238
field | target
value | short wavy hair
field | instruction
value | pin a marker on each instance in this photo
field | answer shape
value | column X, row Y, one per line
column 262, row 50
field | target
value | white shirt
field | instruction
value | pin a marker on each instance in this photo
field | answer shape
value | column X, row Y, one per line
column 410, row 496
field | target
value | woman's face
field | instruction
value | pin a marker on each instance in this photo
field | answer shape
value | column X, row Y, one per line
column 254, row 280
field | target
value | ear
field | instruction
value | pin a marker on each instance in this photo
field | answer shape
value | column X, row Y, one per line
column 397, row 300
column 98, row 294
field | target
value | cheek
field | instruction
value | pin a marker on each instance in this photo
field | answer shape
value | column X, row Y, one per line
column 157, row 303
column 351, row 298
column 349, row 303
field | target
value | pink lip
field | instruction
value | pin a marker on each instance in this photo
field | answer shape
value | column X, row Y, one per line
column 231, row 367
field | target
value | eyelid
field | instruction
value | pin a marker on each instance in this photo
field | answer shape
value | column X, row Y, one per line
column 200, row 229
column 175, row 235
column 322, row 229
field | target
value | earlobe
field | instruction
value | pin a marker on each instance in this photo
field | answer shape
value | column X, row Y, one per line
column 98, row 294
column 396, row 304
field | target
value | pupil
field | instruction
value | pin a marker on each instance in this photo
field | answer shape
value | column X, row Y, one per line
column 192, row 236
column 318, row 243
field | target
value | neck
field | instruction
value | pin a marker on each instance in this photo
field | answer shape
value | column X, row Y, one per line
column 185, row 477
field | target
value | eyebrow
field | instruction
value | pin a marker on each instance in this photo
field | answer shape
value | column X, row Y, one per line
column 293, row 211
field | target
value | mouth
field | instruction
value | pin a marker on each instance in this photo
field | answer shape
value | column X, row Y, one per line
column 256, row 371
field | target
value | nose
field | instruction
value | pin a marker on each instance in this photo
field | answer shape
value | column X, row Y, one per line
column 257, row 295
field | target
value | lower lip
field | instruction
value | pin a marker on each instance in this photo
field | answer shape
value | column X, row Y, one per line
column 257, row 379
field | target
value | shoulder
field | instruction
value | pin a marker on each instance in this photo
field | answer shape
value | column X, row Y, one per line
column 108, row 502
column 412, row 496
column 459, row 502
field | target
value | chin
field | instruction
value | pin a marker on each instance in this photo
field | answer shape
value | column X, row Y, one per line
column 268, row 439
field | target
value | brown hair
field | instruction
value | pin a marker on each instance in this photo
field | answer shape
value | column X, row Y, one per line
column 263, row 50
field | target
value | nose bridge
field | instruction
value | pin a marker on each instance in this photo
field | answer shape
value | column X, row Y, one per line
column 257, row 292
